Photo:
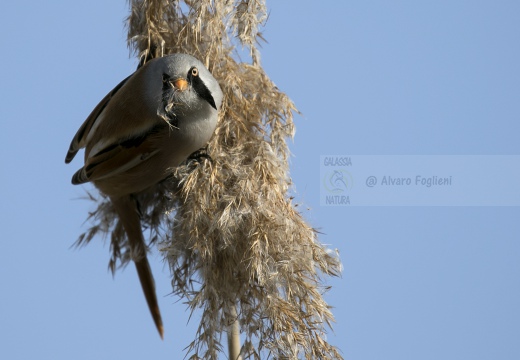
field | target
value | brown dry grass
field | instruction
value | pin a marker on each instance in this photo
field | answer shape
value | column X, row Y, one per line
column 229, row 230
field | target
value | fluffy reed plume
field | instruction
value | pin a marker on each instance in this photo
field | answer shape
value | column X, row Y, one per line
column 237, row 246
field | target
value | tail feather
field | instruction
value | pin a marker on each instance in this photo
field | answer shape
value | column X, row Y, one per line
column 147, row 283
column 127, row 210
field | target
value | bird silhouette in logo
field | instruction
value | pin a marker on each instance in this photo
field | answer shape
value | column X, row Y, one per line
column 338, row 181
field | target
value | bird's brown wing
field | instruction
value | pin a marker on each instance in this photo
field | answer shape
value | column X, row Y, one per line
column 117, row 158
column 79, row 140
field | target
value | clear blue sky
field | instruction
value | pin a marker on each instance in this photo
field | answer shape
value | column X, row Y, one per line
column 371, row 78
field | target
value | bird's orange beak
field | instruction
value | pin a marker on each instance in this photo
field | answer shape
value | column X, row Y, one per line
column 180, row 84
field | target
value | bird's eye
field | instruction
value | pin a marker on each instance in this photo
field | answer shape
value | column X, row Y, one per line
column 194, row 72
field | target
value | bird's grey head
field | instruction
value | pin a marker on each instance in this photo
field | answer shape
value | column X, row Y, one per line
column 187, row 84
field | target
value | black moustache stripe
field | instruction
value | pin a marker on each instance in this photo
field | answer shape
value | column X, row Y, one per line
column 202, row 90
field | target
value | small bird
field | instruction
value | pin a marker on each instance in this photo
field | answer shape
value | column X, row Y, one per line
column 152, row 121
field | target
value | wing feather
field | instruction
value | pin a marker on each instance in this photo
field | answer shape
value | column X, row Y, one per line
column 79, row 140
column 115, row 159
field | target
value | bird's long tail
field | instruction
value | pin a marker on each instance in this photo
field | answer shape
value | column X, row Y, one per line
column 126, row 208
